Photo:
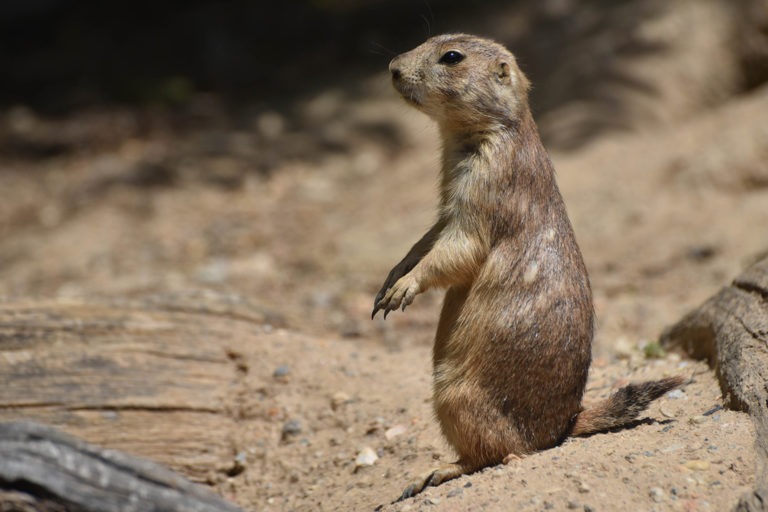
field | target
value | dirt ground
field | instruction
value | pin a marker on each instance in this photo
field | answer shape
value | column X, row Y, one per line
column 303, row 210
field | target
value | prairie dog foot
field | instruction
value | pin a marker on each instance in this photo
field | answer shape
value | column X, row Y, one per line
column 512, row 457
column 402, row 292
column 433, row 478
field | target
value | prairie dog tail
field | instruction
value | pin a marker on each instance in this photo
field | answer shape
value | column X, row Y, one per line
column 623, row 406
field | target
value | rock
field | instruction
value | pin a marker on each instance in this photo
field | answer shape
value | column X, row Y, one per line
column 666, row 412
column 676, row 394
column 339, row 399
column 656, row 494
column 672, row 448
column 395, row 431
column 455, row 492
column 366, row 457
column 583, row 487
column 281, row 372
column 697, row 420
column 238, row 464
column 713, row 410
column 623, row 348
column 291, row 428
column 697, row 465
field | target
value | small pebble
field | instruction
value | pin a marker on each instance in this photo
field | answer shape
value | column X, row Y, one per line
column 281, row 372
column 291, row 428
column 238, row 464
column 395, row 431
column 573, row 505
column 366, row 457
column 656, row 494
column 697, row 465
column 588, row 508
column 666, row 412
column 697, row 420
column 455, row 492
column 339, row 399
column 432, row 501
column 672, row 448
column 676, row 394
column 583, row 487
column 713, row 410
column 623, row 348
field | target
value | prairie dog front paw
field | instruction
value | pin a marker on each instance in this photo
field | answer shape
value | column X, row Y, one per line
column 401, row 293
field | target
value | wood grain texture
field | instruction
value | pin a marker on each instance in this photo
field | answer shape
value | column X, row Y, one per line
column 158, row 377
column 44, row 469
column 730, row 331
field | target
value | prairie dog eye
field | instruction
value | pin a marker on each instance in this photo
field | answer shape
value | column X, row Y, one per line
column 451, row 57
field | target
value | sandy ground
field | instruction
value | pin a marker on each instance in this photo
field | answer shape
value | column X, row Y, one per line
column 305, row 213
column 348, row 399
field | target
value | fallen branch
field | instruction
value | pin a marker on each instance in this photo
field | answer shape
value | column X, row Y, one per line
column 44, row 469
column 730, row 331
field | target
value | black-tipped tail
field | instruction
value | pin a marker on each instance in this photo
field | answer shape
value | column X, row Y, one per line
column 623, row 406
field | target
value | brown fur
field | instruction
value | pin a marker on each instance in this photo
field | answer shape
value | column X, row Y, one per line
column 622, row 407
column 513, row 345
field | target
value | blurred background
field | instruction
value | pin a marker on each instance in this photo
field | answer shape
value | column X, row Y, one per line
column 257, row 149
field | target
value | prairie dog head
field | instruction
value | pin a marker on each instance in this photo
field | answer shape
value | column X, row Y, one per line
column 463, row 82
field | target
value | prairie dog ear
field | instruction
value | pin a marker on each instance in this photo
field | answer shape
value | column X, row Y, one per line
column 503, row 73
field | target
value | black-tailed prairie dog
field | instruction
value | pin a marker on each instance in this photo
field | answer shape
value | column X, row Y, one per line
column 513, row 344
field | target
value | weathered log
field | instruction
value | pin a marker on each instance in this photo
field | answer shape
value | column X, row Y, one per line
column 159, row 377
column 730, row 331
column 49, row 470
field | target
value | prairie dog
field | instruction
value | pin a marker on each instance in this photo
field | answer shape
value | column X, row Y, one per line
column 513, row 344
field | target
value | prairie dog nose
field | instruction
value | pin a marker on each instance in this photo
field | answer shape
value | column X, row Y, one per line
column 395, row 69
